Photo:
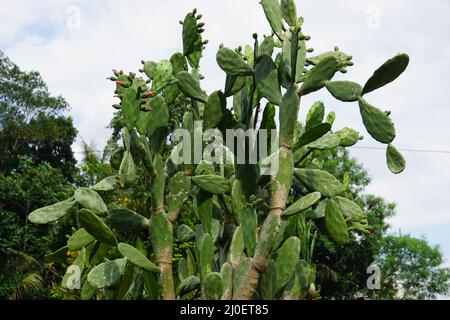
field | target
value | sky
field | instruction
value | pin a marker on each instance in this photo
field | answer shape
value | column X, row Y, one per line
column 75, row 44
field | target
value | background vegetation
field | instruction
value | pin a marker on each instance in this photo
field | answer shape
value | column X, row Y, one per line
column 38, row 168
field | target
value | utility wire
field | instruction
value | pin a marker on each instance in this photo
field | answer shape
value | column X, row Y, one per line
column 404, row 150
column 353, row 147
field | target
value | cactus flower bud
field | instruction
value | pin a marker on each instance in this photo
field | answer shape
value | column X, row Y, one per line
column 120, row 83
column 201, row 24
column 149, row 94
column 199, row 16
column 201, row 30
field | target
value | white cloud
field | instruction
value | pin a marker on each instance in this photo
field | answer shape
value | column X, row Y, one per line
column 119, row 34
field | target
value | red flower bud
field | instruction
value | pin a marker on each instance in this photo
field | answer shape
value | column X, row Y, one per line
column 149, row 94
column 120, row 83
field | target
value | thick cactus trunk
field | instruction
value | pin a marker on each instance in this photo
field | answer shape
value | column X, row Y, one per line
column 161, row 233
column 281, row 184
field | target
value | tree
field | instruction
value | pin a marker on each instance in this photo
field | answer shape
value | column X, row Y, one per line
column 32, row 123
column 411, row 269
column 27, row 188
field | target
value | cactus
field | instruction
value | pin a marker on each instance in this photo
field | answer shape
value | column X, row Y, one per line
column 253, row 235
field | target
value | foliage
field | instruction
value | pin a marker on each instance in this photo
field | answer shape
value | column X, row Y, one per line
column 246, row 245
column 411, row 269
column 29, row 187
column 32, row 123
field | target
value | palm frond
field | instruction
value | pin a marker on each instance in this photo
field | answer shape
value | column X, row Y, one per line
column 14, row 262
column 30, row 284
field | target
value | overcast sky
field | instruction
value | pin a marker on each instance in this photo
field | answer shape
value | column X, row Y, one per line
column 74, row 44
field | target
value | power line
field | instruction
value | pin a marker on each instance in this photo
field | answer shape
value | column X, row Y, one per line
column 353, row 147
column 405, row 150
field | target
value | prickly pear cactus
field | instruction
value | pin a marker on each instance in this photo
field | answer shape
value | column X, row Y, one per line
column 253, row 234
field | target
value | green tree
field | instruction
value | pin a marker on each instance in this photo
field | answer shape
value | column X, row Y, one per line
column 27, row 188
column 411, row 269
column 32, row 123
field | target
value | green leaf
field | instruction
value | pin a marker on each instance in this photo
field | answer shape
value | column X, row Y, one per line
column 345, row 91
column 288, row 113
column 96, row 227
column 188, row 285
column 287, row 56
column 59, row 255
column 131, row 104
column 335, row 224
column 327, row 142
column 272, row 10
column 214, row 109
column 116, row 158
column 185, row 233
column 289, row 12
column 107, row 274
column 302, row 204
column 212, row 183
column 190, row 34
column 377, row 122
column 313, row 134
column 162, row 75
column 178, row 62
column 268, row 281
column 317, row 77
column 80, row 239
column 395, row 160
column 149, row 68
column 320, row 181
column 107, row 184
column 226, row 272
column 348, row 208
column 233, row 84
column 206, row 255
column 236, row 247
column 127, row 221
column 387, row 73
column 232, row 63
column 287, row 259
column 348, row 137
column 127, row 170
column 52, row 213
column 137, row 258
column 267, row 46
column 266, row 77
column 91, row 200
column 315, row 115
column 179, row 188
column 190, row 87
column 213, row 286
column 158, row 123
